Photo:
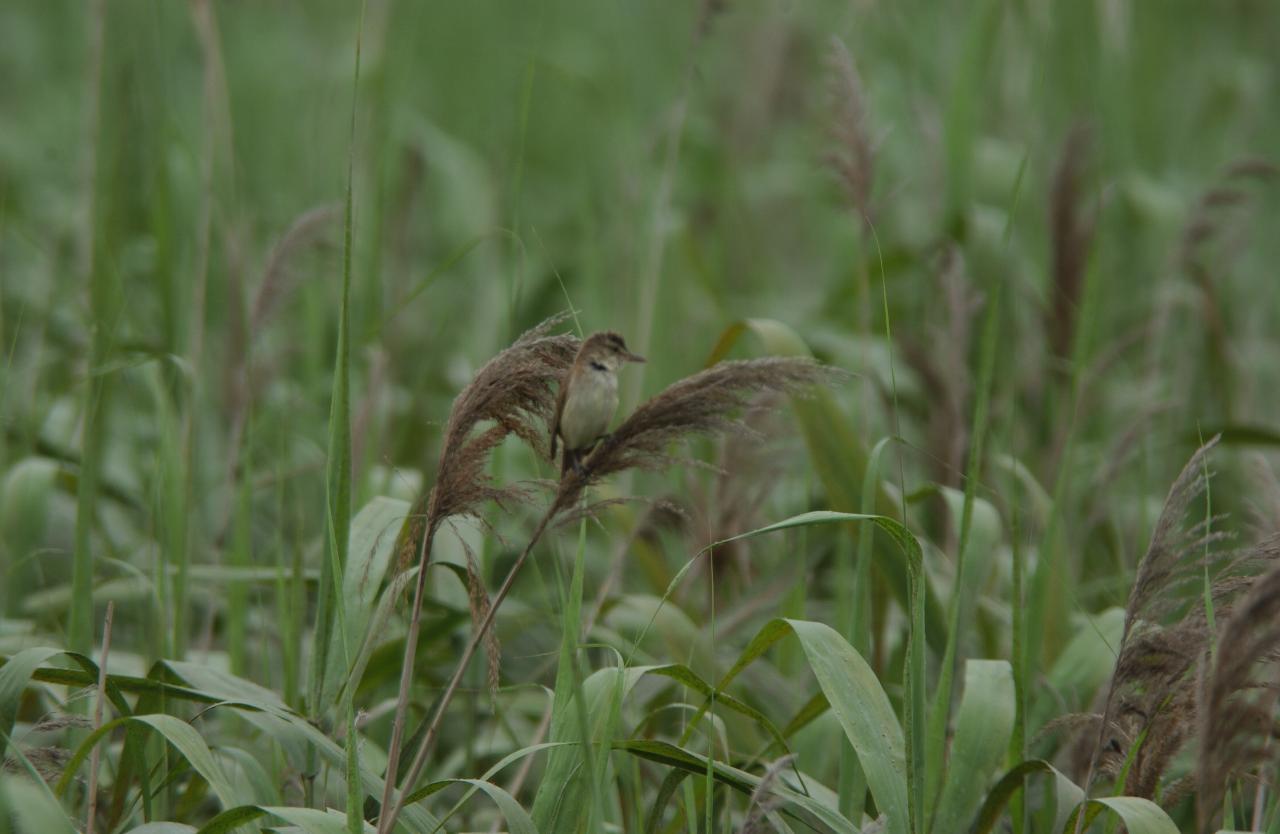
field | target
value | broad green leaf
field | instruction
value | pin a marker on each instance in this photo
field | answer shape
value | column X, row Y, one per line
column 435, row 787
column 372, row 543
column 309, row 820
column 859, row 702
column 264, row 709
column 839, row 457
column 670, row 784
column 163, row 828
column 33, row 808
column 178, row 733
column 25, row 497
column 984, row 725
column 14, row 676
column 1084, row 665
column 912, row 762
column 1236, row 434
column 1066, row 795
column 986, row 532
column 518, row 819
column 20, row 669
column 560, row 804
column 899, row 534
column 666, row 629
column 250, row 777
column 686, row 676
column 125, row 589
column 1140, row 816
column 1035, row 500
column 803, row 808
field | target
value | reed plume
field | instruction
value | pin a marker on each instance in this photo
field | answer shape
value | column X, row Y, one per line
column 748, row 471
column 514, row 393
column 764, row 802
column 1153, row 655
column 698, row 405
column 1217, row 217
column 1149, row 711
column 703, row 404
column 852, row 158
column 244, row 374
column 1237, row 724
column 945, row 374
column 1071, row 229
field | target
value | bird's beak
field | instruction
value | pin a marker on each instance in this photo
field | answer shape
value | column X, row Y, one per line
column 633, row 357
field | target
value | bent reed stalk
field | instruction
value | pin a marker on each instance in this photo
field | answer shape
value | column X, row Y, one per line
column 701, row 404
column 515, row 390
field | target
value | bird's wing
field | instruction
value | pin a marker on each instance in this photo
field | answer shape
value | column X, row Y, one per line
column 555, row 421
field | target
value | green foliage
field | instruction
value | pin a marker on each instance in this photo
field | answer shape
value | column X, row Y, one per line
column 250, row 253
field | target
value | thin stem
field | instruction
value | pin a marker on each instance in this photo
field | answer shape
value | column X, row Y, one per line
column 97, row 718
column 1102, row 732
column 406, row 670
column 391, row 812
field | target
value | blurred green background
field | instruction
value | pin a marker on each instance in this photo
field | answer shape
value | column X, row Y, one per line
column 873, row 175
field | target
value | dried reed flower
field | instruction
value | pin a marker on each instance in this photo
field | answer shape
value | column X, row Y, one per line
column 1209, row 217
column 945, row 374
column 478, row 605
column 1148, row 659
column 853, row 157
column 701, row 404
column 747, row 472
column 243, row 377
column 279, row 280
column 1071, row 228
column 1166, row 630
column 763, row 801
column 515, row 392
column 1237, row 724
column 1264, row 504
column 375, row 382
column 48, row 762
column 1218, row 211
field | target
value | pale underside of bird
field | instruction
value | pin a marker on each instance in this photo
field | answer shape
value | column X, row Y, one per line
column 589, row 397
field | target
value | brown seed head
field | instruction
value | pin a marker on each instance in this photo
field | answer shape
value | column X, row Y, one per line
column 514, row 393
column 702, row 404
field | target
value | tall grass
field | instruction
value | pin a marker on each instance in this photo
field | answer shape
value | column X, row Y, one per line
column 948, row 587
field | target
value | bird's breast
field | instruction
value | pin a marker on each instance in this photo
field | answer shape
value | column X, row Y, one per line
column 588, row 408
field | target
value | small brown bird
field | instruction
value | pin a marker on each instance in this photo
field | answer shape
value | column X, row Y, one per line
column 588, row 397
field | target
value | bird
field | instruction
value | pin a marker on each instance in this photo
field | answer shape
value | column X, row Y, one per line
column 588, row 397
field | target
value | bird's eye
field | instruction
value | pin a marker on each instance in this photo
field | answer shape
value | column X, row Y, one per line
column 599, row 366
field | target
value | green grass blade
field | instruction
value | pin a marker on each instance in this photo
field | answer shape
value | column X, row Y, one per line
column 33, row 808
column 307, row 820
column 241, row 559
column 818, row 816
column 560, row 804
column 984, row 724
column 180, row 734
column 859, row 703
column 1140, row 816
column 961, row 600
column 839, row 458
column 1067, row 795
column 852, row 783
column 370, row 551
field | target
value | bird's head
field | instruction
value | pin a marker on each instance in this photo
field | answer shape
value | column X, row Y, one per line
column 606, row 351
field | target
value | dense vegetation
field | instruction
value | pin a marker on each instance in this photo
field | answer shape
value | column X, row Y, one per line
column 945, row 502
